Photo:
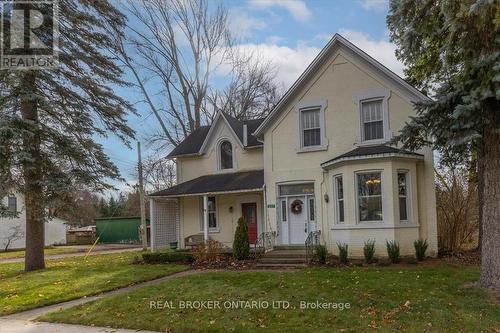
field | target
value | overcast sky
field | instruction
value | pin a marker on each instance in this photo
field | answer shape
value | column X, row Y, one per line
column 290, row 33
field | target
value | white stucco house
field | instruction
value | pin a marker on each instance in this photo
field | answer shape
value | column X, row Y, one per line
column 15, row 228
column 320, row 165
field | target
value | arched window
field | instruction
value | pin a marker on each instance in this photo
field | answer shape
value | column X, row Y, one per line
column 226, row 155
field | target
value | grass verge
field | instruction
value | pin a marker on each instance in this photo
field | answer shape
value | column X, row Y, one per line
column 70, row 278
column 48, row 251
column 388, row 299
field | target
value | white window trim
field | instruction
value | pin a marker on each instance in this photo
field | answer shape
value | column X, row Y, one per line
column 369, row 96
column 305, row 106
column 210, row 230
column 384, row 211
column 408, row 196
column 218, row 154
column 336, row 198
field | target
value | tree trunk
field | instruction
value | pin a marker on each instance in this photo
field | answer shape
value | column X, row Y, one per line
column 490, row 252
column 480, row 193
column 32, row 173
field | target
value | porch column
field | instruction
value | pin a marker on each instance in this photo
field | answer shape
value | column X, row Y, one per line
column 152, row 217
column 205, row 217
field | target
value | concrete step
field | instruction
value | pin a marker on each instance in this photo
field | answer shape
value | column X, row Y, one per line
column 282, row 260
column 290, row 247
column 285, row 254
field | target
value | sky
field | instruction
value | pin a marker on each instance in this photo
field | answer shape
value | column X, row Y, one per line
column 289, row 33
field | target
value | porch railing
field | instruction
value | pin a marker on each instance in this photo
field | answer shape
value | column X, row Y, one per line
column 264, row 242
column 312, row 240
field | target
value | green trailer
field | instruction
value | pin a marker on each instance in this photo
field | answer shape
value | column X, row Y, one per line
column 122, row 230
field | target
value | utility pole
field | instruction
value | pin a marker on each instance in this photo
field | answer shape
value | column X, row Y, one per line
column 144, row 233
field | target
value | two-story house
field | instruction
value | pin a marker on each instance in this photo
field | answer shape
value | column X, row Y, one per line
column 321, row 161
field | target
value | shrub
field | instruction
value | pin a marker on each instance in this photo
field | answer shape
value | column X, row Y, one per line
column 320, row 254
column 342, row 252
column 393, row 251
column 420, row 248
column 167, row 257
column 207, row 252
column 369, row 251
column 241, row 246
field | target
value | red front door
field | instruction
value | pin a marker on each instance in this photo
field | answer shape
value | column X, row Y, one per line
column 249, row 211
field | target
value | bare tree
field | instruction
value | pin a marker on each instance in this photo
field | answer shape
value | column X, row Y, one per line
column 178, row 45
column 159, row 173
column 14, row 234
column 251, row 92
column 175, row 52
column 457, row 210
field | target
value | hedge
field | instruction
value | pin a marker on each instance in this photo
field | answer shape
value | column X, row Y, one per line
column 167, row 257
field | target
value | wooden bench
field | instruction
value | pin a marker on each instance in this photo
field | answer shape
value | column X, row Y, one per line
column 194, row 240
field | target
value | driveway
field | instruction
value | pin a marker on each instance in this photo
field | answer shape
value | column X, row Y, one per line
column 82, row 251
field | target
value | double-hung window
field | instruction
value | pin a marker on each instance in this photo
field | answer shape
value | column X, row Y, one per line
column 310, row 127
column 369, row 196
column 372, row 120
column 403, row 195
column 338, row 185
column 212, row 213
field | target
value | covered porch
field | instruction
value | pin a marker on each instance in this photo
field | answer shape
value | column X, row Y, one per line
column 208, row 207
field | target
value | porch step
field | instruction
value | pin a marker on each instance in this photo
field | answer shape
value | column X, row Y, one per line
column 283, row 257
column 290, row 247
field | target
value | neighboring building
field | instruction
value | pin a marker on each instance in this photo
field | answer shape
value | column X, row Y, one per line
column 15, row 228
column 122, row 230
column 321, row 161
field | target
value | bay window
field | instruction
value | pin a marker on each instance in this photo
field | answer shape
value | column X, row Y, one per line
column 369, row 193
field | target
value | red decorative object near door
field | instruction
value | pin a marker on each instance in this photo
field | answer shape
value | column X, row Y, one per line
column 249, row 211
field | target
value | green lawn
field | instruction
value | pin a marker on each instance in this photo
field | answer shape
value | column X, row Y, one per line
column 48, row 251
column 70, row 278
column 388, row 299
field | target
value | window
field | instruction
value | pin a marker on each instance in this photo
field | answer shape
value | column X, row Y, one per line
column 339, row 197
column 369, row 196
column 212, row 213
column 312, row 212
column 372, row 121
column 226, row 155
column 293, row 189
column 12, row 203
column 310, row 127
column 403, row 195
column 283, row 210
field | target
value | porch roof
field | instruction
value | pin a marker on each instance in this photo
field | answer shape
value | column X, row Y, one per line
column 366, row 152
column 219, row 183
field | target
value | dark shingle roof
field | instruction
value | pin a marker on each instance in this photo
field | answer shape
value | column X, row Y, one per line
column 224, row 182
column 371, row 150
column 193, row 142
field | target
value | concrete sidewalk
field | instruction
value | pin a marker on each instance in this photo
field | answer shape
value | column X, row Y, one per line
column 23, row 326
column 24, row 322
column 76, row 254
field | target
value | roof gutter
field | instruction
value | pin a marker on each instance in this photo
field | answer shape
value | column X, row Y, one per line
column 328, row 164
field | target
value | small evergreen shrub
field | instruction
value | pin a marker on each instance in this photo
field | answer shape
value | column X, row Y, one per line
column 343, row 256
column 167, row 257
column 241, row 246
column 320, row 254
column 369, row 251
column 420, row 248
column 393, row 251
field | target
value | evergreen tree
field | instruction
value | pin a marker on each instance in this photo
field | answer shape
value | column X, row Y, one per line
column 452, row 49
column 241, row 246
column 51, row 118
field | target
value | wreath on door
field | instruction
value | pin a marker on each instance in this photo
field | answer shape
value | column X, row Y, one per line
column 296, row 206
